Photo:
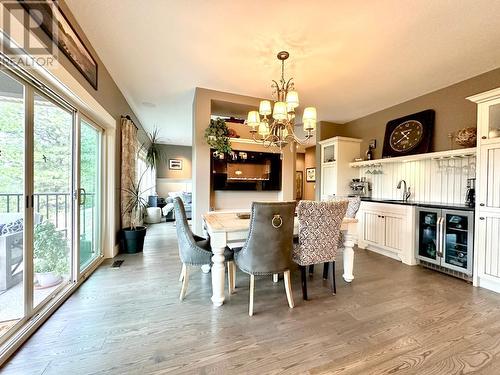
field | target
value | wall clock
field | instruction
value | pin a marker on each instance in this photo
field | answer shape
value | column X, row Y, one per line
column 409, row 135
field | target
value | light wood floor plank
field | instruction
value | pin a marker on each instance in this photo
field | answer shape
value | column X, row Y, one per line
column 393, row 319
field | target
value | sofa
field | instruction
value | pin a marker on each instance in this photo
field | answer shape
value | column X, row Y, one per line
column 168, row 209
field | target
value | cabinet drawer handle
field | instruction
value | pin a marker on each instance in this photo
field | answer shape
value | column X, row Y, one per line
column 481, row 218
column 481, row 204
column 483, row 137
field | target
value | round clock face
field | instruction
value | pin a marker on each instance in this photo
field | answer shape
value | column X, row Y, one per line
column 406, row 136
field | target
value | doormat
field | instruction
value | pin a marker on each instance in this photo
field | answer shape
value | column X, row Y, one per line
column 117, row 264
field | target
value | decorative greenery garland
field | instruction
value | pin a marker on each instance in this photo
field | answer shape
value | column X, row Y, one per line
column 217, row 136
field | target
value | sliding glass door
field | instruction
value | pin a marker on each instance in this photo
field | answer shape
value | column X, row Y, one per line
column 90, row 193
column 12, row 170
column 50, row 198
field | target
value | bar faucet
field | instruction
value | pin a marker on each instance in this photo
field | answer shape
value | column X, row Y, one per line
column 406, row 191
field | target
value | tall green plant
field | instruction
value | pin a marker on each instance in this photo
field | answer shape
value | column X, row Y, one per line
column 217, row 136
column 154, row 151
column 135, row 204
column 51, row 251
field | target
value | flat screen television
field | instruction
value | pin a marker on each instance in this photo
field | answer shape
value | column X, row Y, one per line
column 246, row 170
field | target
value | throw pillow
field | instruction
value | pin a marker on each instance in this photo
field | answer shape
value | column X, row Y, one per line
column 187, row 197
column 13, row 227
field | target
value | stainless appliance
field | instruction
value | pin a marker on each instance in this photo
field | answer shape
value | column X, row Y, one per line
column 470, row 195
column 445, row 240
column 360, row 187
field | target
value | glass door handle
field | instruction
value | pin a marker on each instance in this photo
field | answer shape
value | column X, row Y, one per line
column 440, row 234
column 83, row 194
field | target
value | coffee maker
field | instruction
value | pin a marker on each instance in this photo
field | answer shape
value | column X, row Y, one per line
column 360, row 187
column 470, row 195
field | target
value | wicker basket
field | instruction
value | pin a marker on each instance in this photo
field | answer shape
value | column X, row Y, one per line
column 466, row 137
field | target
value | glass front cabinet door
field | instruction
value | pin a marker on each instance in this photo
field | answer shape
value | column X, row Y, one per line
column 428, row 241
column 490, row 122
column 458, row 234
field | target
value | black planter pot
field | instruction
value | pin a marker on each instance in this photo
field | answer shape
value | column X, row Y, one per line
column 132, row 241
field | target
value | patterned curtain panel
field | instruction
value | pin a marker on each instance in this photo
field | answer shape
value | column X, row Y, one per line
column 128, row 164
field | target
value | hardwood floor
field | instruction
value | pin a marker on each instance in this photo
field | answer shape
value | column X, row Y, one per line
column 392, row 319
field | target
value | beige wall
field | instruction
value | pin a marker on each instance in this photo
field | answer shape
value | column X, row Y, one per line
column 310, row 162
column 453, row 112
column 183, row 153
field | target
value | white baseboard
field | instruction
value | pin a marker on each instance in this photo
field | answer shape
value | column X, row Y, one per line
column 489, row 284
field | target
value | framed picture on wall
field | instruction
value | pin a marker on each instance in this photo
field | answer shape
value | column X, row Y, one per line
column 299, row 184
column 54, row 23
column 311, row 174
column 175, row 164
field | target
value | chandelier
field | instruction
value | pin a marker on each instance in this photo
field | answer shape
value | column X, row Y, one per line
column 278, row 129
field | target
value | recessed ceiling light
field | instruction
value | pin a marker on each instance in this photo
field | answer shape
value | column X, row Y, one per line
column 148, row 104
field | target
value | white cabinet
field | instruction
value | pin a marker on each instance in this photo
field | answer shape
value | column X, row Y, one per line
column 383, row 230
column 487, row 218
column 488, row 254
column 388, row 229
column 489, row 175
column 336, row 154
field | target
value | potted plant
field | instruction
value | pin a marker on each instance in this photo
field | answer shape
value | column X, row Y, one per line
column 154, row 151
column 51, row 255
column 132, row 238
column 217, row 136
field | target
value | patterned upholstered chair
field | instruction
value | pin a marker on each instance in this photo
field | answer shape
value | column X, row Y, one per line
column 319, row 231
column 194, row 250
column 352, row 210
column 268, row 248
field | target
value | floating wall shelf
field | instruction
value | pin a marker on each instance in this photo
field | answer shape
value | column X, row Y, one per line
column 460, row 153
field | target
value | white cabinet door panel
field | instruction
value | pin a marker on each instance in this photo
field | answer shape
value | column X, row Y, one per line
column 328, row 183
column 490, row 191
column 489, row 234
column 393, row 230
column 374, row 230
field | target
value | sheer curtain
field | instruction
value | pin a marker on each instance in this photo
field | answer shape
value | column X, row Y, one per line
column 148, row 184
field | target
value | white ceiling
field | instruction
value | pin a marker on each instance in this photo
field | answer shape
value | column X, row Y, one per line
column 348, row 58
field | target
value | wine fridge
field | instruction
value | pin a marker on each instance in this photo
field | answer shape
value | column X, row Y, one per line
column 445, row 240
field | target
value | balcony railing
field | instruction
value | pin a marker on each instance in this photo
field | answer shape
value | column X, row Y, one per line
column 55, row 207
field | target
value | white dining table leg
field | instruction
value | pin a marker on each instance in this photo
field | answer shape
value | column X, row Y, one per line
column 218, row 241
column 349, row 254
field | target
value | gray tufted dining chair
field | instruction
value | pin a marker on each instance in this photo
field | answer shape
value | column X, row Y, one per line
column 194, row 250
column 319, row 231
column 268, row 248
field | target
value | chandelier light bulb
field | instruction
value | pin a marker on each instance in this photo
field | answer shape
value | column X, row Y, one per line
column 292, row 99
column 253, row 119
column 263, row 129
column 280, row 111
column 265, row 108
column 309, row 114
column 309, row 125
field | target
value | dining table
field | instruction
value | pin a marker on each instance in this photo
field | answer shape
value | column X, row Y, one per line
column 231, row 229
